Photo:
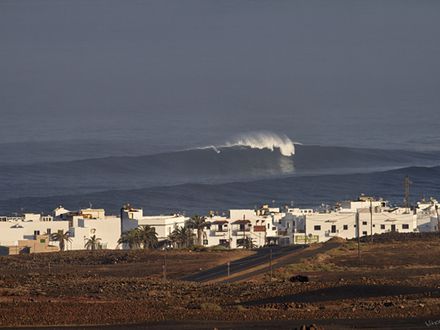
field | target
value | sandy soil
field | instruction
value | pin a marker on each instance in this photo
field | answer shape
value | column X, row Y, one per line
column 397, row 280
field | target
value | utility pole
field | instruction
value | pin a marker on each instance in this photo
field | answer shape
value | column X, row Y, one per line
column 371, row 219
column 406, row 184
column 358, row 236
column 438, row 219
column 270, row 265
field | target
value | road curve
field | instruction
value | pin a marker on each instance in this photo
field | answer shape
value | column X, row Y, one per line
column 261, row 257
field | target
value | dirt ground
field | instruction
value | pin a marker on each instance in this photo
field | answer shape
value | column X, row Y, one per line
column 395, row 279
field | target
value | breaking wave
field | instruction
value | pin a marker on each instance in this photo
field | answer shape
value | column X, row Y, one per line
column 260, row 140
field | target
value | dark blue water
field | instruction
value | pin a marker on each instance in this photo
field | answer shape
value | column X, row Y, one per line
column 217, row 178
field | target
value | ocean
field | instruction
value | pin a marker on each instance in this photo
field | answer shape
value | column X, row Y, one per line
column 244, row 172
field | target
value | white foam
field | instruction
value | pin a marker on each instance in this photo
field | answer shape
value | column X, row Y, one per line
column 265, row 140
column 259, row 140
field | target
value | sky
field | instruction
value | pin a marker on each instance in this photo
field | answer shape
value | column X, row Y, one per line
column 362, row 73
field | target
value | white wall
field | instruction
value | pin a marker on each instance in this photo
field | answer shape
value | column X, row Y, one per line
column 107, row 229
column 163, row 224
column 10, row 236
column 346, row 224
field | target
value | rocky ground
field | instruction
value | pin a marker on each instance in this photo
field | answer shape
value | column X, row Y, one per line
column 393, row 279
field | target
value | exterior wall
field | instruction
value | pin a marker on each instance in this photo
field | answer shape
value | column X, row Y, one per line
column 321, row 225
column 41, row 244
column 363, row 203
column 341, row 224
column 248, row 223
column 107, row 229
column 385, row 222
column 291, row 225
column 245, row 214
column 298, row 211
column 434, row 224
column 92, row 213
column 12, row 232
column 425, row 223
column 163, row 224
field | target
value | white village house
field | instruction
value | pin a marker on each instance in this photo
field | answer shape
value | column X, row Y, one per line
column 89, row 222
column 163, row 224
column 29, row 231
column 258, row 225
column 351, row 219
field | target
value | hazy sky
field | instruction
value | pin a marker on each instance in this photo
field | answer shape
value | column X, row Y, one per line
column 329, row 72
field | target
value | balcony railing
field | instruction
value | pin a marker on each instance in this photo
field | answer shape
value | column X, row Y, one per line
column 218, row 232
column 240, row 232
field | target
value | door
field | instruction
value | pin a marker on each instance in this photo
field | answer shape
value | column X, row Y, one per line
column 393, row 227
column 333, row 228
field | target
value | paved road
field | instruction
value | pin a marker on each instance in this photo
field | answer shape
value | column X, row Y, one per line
column 290, row 258
column 261, row 257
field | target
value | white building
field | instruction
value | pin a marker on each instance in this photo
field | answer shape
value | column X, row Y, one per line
column 28, row 227
column 89, row 222
column 427, row 214
column 259, row 225
column 163, row 224
column 355, row 218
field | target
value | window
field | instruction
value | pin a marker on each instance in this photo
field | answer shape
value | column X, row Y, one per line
column 364, row 233
column 364, row 223
column 405, row 226
column 382, row 226
column 317, row 227
column 224, row 242
column 49, row 231
column 36, row 232
column 345, row 227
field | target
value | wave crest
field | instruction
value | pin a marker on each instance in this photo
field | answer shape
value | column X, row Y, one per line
column 264, row 140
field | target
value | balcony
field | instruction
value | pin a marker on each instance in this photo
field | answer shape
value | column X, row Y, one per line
column 217, row 232
column 240, row 232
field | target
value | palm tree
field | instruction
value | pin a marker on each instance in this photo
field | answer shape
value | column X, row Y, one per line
column 197, row 222
column 246, row 243
column 62, row 238
column 147, row 236
column 174, row 237
column 93, row 243
column 130, row 238
column 182, row 237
